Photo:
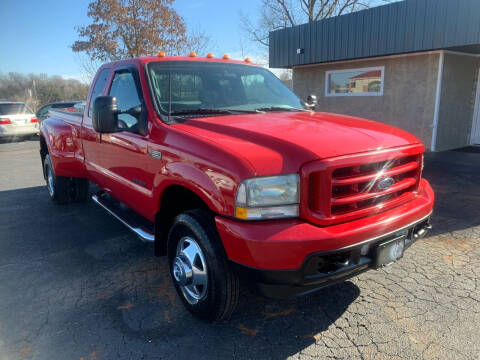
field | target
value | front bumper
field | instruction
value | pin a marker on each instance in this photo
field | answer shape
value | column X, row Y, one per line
column 276, row 253
column 323, row 269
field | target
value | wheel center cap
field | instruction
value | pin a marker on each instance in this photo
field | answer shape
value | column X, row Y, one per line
column 182, row 271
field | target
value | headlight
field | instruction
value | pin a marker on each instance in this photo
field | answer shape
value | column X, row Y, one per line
column 270, row 197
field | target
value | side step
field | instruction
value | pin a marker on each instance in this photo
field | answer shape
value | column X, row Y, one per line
column 143, row 228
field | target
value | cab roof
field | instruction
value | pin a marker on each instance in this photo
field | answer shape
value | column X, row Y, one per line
column 147, row 59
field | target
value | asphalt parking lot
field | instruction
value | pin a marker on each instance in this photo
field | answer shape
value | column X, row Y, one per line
column 75, row 284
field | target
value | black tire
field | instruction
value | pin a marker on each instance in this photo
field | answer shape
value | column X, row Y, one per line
column 81, row 189
column 221, row 295
column 58, row 187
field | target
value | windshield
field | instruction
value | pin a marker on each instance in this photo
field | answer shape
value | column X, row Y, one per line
column 14, row 109
column 190, row 87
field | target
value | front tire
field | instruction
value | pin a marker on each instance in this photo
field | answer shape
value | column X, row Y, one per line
column 199, row 267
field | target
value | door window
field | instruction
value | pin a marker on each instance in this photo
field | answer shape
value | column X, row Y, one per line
column 125, row 90
column 43, row 111
column 99, row 86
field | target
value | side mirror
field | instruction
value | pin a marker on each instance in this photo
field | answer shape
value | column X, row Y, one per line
column 311, row 102
column 134, row 111
column 105, row 111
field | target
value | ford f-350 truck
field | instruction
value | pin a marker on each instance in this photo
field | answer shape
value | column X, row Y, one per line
column 233, row 177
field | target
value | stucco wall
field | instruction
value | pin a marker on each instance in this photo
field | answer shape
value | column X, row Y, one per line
column 409, row 92
column 457, row 101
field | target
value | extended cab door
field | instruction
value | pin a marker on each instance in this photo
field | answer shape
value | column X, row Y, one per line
column 90, row 138
column 122, row 157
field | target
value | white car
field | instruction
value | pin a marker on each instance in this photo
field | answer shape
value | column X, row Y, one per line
column 16, row 119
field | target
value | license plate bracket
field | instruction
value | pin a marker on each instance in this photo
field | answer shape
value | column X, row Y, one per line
column 390, row 251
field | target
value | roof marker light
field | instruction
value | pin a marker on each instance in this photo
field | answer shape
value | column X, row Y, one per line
column 247, row 60
column 210, row 55
column 161, row 54
column 226, row 57
column 192, row 54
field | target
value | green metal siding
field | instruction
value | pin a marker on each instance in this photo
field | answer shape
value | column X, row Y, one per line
column 401, row 27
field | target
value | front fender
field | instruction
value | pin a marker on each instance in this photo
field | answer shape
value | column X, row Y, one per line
column 213, row 187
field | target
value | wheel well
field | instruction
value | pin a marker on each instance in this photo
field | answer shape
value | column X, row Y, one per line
column 175, row 200
column 43, row 151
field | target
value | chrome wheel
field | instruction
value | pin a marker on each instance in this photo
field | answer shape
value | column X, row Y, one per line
column 50, row 184
column 189, row 270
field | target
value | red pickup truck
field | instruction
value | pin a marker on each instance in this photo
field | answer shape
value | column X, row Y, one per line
column 232, row 177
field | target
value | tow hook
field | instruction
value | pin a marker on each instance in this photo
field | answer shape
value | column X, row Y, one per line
column 421, row 230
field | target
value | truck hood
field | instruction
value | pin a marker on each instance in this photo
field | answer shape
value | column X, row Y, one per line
column 275, row 143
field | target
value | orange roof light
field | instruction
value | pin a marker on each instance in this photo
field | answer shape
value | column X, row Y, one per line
column 226, row 57
column 192, row 54
column 247, row 59
column 210, row 55
column 161, row 54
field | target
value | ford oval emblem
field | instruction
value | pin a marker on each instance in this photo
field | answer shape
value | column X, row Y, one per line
column 385, row 183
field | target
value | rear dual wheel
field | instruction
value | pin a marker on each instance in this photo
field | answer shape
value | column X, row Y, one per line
column 62, row 189
column 199, row 267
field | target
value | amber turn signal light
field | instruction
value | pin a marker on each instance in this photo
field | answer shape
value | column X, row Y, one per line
column 241, row 213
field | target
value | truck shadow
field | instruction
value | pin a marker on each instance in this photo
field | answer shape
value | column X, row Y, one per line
column 260, row 328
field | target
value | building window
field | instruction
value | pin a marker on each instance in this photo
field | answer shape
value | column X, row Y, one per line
column 355, row 82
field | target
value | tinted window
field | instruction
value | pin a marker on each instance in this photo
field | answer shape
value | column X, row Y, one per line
column 256, row 88
column 13, row 109
column 63, row 105
column 161, row 88
column 99, row 86
column 43, row 111
column 125, row 90
column 187, row 90
column 187, row 86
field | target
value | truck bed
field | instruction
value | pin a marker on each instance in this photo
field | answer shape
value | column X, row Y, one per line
column 65, row 115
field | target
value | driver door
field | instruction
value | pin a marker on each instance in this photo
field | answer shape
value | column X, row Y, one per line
column 123, row 155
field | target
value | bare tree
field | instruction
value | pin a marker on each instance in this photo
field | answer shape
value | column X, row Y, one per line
column 196, row 40
column 88, row 67
column 279, row 14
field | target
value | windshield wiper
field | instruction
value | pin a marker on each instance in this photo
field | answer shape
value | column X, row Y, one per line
column 242, row 111
column 280, row 108
column 205, row 111
column 201, row 111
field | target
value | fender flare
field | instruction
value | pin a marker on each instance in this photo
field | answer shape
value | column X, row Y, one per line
column 194, row 179
column 61, row 148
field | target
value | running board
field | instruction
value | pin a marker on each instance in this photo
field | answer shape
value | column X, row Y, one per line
column 143, row 228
